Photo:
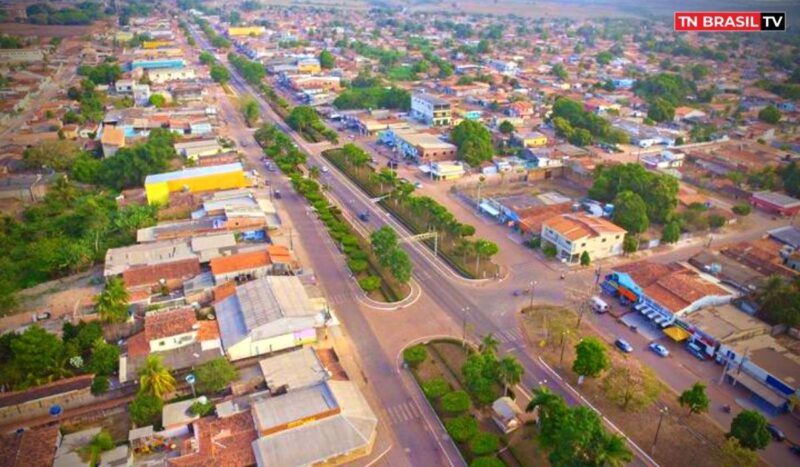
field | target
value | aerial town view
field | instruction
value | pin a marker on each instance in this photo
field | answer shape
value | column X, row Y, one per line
column 400, row 233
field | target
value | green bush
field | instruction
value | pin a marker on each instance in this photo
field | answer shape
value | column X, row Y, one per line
column 462, row 428
column 99, row 385
column 484, row 443
column 201, row 409
column 550, row 250
column 456, row 402
column 435, row 388
column 742, row 209
column 715, row 221
column 370, row 283
column 357, row 265
column 415, row 355
column 487, row 461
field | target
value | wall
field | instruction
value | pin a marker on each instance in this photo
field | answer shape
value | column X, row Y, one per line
column 248, row 348
column 173, row 342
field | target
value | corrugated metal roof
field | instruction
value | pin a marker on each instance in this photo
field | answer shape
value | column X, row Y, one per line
column 193, row 172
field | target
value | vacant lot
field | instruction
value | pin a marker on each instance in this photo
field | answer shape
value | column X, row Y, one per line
column 681, row 437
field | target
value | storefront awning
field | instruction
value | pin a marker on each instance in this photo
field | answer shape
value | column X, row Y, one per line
column 677, row 334
column 757, row 387
column 489, row 209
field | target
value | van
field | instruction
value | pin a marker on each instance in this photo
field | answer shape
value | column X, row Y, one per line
column 695, row 350
column 599, row 305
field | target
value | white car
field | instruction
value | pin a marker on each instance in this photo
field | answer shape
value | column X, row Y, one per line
column 659, row 349
column 418, row 185
column 324, row 169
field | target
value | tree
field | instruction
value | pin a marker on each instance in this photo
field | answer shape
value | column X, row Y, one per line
column 716, row 221
column 549, row 250
column 661, row 110
column 506, row 127
column 630, row 244
column 59, row 155
column 631, row 386
column 220, row 74
column 435, row 388
column 510, row 372
column 112, row 303
column 326, row 59
column 750, row 429
column 461, row 428
column 604, row 58
column 474, row 142
column 484, row 443
column 105, row 358
column 383, row 241
column 791, row 178
column 630, row 212
column 742, row 209
column 777, row 301
column 155, row 378
column 585, row 259
column 145, row 410
column 486, row 249
column 215, row 375
column 736, row 455
column 559, row 72
column 591, row 357
column 456, row 402
column 489, row 344
column 400, row 265
column 207, row 58
column 415, row 355
column 157, row 100
column 36, row 353
column 487, row 461
column 671, row 232
column 251, row 111
column 769, row 114
column 370, row 283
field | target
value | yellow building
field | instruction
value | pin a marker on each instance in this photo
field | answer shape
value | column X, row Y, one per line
column 310, row 65
column 533, row 139
column 246, row 31
column 217, row 177
column 156, row 44
column 574, row 234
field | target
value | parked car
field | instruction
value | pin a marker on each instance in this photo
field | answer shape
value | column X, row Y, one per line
column 277, row 194
column 795, row 448
column 324, row 169
column 599, row 305
column 695, row 350
column 42, row 316
column 623, row 345
column 776, row 432
column 418, row 185
column 659, row 349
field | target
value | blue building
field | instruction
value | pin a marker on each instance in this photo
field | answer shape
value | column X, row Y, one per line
column 155, row 64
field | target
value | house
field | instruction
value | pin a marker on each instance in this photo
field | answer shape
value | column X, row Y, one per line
column 688, row 114
column 505, row 67
column 241, row 267
column 221, row 439
column 664, row 160
column 665, row 292
column 33, row 447
column 775, row 203
column 174, row 334
column 218, row 177
column 266, row 315
column 447, row 170
column 788, row 235
column 178, row 414
column 529, row 139
column 293, row 370
column 112, row 140
column 520, row 109
column 308, row 66
column 574, row 234
column 330, row 423
column 430, row 109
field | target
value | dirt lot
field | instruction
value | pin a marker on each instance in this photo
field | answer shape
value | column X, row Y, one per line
column 680, row 438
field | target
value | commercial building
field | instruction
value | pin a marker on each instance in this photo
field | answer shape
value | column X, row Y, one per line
column 267, row 315
column 218, row 177
column 574, row 234
column 431, row 109
column 193, row 150
column 447, row 170
column 665, row 292
column 246, row 31
column 309, row 66
column 154, row 64
column 163, row 75
column 422, row 147
column 330, row 423
column 776, row 203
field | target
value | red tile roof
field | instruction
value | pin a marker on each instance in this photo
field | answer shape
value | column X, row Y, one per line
column 31, row 448
column 240, row 262
column 209, row 331
column 221, row 442
column 169, row 323
column 150, row 275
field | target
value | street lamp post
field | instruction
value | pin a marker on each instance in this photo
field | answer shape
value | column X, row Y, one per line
column 661, row 412
column 582, row 310
column 533, row 283
column 464, row 310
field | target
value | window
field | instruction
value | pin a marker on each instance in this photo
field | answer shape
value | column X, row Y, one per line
column 617, row 237
column 583, row 244
column 604, row 240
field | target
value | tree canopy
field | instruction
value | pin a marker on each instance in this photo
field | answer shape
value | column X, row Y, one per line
column 326, row 59
column 750, row 428
column 591, row 357
column 658, row 191
column 769, row 114
column 630, row 212
column 580, row 127
column 474, row 142
column 694, row 398
column 215, row 375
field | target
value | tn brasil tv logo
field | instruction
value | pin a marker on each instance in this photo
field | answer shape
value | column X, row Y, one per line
column 729, row 21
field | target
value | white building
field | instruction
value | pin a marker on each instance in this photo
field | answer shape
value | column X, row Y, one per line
column 163, row 75
column 431, row 109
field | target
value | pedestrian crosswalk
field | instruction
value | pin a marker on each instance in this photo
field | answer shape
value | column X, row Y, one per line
column 402, row 413
column 510, row 336
column 339, row 298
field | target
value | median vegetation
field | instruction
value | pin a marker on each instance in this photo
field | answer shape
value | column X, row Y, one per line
column 420, row 214
column 381, row 268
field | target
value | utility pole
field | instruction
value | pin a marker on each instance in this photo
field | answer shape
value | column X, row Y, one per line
column 662, row 412
column 582, row 308
column 533, row 283
column 464, row 330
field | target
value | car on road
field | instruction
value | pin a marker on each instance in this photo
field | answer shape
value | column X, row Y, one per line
column 418, row 185
column 659, row 349
column 623, row 345
column 324, row 169
column 364, row 216
column 277, row 194
column 776, row 432
column 795, row 448
column 695, row 350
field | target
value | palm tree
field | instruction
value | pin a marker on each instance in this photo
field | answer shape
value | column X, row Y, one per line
column 112, row 304
column 489, row 343
column 611, row 451
column 155, row 378
column 510, row 372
